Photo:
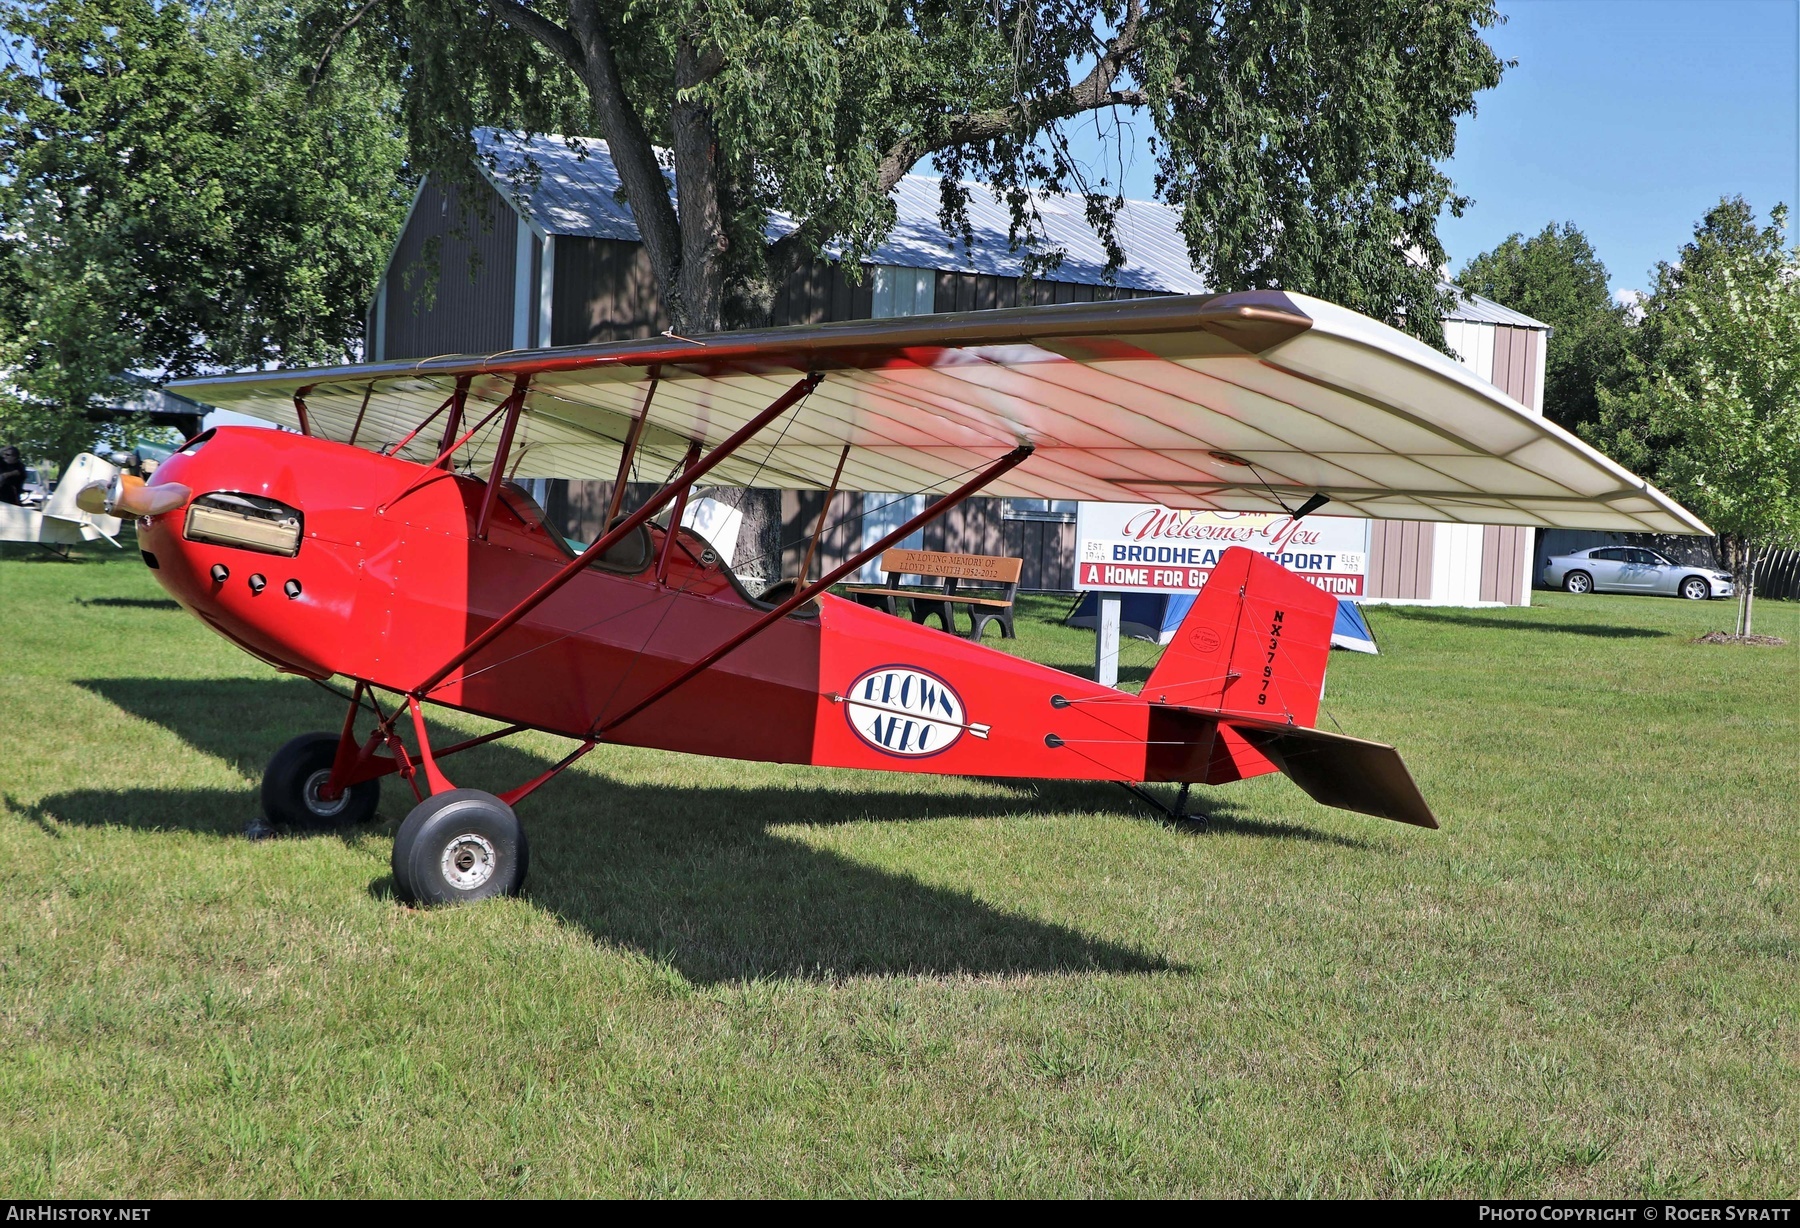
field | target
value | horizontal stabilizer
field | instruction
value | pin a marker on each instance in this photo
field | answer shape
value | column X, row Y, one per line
column 1341, row 771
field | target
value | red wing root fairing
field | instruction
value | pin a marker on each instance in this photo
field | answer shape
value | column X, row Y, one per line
column 366, row 546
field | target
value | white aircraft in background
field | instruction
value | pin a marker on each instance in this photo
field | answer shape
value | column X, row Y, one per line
column 61, row 524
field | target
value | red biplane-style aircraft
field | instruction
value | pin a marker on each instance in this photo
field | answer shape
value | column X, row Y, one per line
column 386, row 542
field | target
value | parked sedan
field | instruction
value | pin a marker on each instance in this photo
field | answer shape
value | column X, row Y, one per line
column 1632, row 569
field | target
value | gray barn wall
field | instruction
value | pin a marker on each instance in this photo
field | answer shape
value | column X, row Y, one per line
column 975, row 526
column 800, row 520
column 1048, row 548
column 818, row 292
column 437, row 306
column 604, row 290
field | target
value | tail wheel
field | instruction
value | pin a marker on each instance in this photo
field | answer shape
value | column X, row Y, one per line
column 1578, row 582
column 293, row 788
column 458, row 847
column 1695, row 588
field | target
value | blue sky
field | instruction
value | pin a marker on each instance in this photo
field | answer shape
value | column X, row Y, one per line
column 1628, row 117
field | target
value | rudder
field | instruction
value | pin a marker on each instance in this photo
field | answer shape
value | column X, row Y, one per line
column 1254, row 644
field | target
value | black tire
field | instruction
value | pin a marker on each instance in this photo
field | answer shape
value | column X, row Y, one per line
column 1578, row 582
column 458, row 847
column 1696, row 588
column 291, row 782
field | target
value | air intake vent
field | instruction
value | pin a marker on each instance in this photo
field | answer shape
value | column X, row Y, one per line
column 248, row 522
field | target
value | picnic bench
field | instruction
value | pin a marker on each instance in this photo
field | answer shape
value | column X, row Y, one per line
column 994, row 581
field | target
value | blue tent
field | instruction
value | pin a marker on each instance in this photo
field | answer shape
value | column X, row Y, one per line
column 1142, row 616
column 1156, row 616
column 1351, row 629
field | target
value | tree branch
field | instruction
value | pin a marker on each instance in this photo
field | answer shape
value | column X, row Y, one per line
column 1091, row 93
column 558, row 41
column 317, row 71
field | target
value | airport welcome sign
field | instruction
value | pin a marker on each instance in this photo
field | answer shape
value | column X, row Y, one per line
column 1148, row 548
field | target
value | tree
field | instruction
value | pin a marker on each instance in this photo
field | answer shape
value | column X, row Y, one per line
column 1556, row 277
column 1300, row 139
column 175, row 198
column 1711, row 405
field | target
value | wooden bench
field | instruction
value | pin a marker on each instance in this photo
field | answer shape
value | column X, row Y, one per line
column 995, row 579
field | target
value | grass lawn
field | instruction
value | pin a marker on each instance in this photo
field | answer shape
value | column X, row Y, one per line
column 727, row 978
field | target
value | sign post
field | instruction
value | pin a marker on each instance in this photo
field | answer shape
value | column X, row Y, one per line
column 1106, row 646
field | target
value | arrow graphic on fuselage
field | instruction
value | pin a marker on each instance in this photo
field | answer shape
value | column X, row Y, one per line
column 980, row 731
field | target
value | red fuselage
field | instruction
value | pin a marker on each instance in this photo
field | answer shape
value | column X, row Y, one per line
column 390, row 581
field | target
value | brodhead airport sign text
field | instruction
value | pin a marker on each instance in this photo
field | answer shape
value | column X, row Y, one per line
column 1148, row 548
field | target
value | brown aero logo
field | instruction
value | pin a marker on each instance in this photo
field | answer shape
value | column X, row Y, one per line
column 1204, row 639
column 907, row 711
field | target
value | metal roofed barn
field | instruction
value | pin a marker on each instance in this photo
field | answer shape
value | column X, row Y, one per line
column 558, row 262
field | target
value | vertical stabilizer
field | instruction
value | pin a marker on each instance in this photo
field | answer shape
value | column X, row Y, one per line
column 1254, row 644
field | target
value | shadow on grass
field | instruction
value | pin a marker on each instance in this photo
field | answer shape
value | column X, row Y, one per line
column 129, row 603
column 1420, row 614
column 694, row 876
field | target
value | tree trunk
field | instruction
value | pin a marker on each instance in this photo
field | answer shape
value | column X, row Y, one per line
column 1746, row 582
column 696, row 299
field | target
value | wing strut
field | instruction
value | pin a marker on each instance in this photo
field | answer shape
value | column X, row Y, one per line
column 629, row 451
column 681, row 498
column 807, row 592
column 617, row 533
column 514, row 404
column 458, row 400
column 824, row 511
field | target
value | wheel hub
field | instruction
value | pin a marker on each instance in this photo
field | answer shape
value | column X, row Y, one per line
column 313, row 793
column 469, row 861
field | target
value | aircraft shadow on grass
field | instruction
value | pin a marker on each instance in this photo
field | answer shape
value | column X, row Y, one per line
column 688, row 874
column 1460, row 618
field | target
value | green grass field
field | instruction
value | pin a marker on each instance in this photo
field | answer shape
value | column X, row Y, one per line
column 727, row 978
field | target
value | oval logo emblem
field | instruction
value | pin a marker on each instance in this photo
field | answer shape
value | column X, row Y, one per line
column 904, row 710
column 1204, row 639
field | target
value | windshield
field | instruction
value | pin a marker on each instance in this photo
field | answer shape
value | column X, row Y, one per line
column 629, row 556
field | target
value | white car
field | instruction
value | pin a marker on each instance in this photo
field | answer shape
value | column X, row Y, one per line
column 1633, row 569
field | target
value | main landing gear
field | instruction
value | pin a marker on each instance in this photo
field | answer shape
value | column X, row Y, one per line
column 459, row 847
column 294, row 788
column 455, row 847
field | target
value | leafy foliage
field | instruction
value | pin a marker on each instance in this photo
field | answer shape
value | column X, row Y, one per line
column 1300, row 139
column 174, row 198
column 1556, row 277
column 1710, row 407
